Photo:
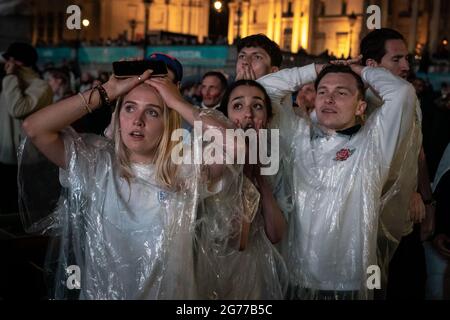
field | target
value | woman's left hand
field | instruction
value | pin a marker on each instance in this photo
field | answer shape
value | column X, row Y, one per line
column 116, row 87
column 167, row 89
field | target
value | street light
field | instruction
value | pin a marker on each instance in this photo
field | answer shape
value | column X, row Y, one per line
column 80, row 34
column 218, row 5
column 85, row 23
column 133, row 25
column 352, row 20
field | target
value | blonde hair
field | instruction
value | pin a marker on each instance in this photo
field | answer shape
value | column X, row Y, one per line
column 166, row 170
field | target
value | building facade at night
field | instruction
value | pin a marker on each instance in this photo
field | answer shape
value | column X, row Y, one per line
column 337, row 25
column 312, row 25
column 119, row 19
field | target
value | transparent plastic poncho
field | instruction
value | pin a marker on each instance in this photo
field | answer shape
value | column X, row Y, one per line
column 134, row 241
column 337, row 182
column 395, row 221
column 444, row 166
column 224, row 269
column 127, row 241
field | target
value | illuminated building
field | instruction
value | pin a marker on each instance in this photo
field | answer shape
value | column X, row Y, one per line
column 316, row 25
column 312, row 25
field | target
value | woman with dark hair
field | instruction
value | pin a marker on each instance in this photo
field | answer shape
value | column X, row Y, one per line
column 251, row 267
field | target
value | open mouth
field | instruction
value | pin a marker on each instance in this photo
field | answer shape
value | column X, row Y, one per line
column 328, row 110
column 137, row 134
column 249, row 126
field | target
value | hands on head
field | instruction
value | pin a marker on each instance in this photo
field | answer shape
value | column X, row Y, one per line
column 167, row 89
column 354, row 64
column 116, row 87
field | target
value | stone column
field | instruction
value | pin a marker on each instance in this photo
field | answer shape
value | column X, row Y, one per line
column 295, row 41
column 413, row 26
column 434, row 27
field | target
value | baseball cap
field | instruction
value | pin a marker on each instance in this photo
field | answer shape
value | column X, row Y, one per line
column 171, row 62
column 22, row 52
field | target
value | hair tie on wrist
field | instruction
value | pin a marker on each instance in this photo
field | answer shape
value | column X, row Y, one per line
column 86, row 104
column 103, row 95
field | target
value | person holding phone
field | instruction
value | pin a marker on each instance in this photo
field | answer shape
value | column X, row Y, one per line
column 127, row 213
column 161, row 64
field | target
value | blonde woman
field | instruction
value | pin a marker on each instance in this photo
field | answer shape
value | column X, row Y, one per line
column 126, row 218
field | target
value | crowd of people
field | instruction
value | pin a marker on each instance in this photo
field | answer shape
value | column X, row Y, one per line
column 363, row 181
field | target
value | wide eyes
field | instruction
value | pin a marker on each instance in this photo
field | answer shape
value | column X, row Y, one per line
column 258, row 106
column 129, row 108
column 256, row 57
column 151, row 112
column 239, row 106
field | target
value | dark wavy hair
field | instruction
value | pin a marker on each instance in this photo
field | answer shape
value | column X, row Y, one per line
column 252, row 83
column 262, row 41
column 373, row 45
column 332, row 68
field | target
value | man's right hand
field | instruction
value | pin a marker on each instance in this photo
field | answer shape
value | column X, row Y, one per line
column 416, row 208
column 354, row 64
column 442, row 244
column 319, row 67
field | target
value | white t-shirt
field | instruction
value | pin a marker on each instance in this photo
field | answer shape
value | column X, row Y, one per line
column 337, row 183
column 130, row 241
